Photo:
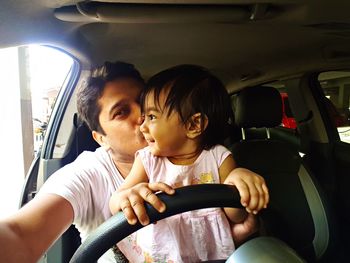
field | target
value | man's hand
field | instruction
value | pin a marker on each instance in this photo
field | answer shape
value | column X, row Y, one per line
column 251, row 187
column 241, row 231
column 131, row 201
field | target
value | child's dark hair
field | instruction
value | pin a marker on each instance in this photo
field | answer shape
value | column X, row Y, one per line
column 193, row 89
column 87, row 98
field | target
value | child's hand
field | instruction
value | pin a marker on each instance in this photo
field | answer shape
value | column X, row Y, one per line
column 251, row 187
column 131, row 201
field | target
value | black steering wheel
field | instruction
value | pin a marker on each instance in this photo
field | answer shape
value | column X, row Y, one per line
column 185, row 199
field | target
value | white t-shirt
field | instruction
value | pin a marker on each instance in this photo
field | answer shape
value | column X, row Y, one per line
column 87, row 183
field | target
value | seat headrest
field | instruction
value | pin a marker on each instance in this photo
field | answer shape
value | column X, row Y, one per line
column 259, row 106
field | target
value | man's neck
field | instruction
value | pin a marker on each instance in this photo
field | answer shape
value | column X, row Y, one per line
column 123, row 167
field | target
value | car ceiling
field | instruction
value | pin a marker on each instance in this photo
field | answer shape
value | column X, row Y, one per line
column 242, row 42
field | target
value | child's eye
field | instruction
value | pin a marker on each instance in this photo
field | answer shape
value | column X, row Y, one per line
column 151, row 117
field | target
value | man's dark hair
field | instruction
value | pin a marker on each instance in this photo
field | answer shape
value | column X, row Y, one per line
column 193, row 89
column 87, row 98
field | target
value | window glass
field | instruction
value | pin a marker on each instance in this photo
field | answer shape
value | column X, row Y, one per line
column 48, row 69
column 288, row 120
column 287, row 109
column 336, row 87
column 31, row 77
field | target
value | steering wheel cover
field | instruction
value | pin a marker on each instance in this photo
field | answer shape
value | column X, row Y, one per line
column 185, row 199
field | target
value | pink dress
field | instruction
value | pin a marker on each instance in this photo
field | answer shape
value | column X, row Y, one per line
column 193, row 236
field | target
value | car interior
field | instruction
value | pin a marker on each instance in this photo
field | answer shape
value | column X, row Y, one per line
column 260, row 50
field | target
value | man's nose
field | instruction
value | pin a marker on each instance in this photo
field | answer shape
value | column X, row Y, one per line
column 140, row 120
column 138, row 116
column 143, row 126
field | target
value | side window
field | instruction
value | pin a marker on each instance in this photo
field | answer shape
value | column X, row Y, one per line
column 31, row 77
column 336, row 87
column 288, row 120
column 48, row 69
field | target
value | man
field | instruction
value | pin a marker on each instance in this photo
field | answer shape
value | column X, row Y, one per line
column 79, row 192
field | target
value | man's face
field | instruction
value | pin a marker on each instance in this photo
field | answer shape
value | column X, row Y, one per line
column 120, row 118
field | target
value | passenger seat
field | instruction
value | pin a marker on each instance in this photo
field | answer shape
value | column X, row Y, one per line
column 297, row 211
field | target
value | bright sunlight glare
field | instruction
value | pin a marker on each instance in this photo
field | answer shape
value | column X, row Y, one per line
column 46, row 69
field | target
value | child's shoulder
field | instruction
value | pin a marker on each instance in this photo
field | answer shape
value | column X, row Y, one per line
column 145, row 153
column 219, row 153
column 219, row 149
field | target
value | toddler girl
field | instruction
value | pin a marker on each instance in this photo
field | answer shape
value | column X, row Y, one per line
column 187, row 113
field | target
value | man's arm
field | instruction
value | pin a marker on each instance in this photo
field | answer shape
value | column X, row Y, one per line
column 25, row 236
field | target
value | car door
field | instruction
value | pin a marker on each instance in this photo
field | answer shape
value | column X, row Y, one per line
column 335, row 87
column 56, row 151
column 316, row 100
column 322, row 119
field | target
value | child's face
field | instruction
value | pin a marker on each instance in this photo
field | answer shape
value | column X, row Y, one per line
column 166, row 135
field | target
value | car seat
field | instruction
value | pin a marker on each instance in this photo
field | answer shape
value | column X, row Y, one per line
column 83, row 140
column 297, row 212
column 65, row 247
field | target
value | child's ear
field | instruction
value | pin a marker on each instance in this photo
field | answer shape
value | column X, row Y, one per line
column 196, row 125
column 100, row 139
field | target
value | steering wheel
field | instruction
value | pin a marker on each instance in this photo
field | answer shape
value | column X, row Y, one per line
column 185, row 199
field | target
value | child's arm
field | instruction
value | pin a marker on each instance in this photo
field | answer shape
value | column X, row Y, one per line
column 131, row 195
column 136, row 175
column 251, row 186
column 235, row 215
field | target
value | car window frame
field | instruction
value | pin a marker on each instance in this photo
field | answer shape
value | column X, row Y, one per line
column 63, row 98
